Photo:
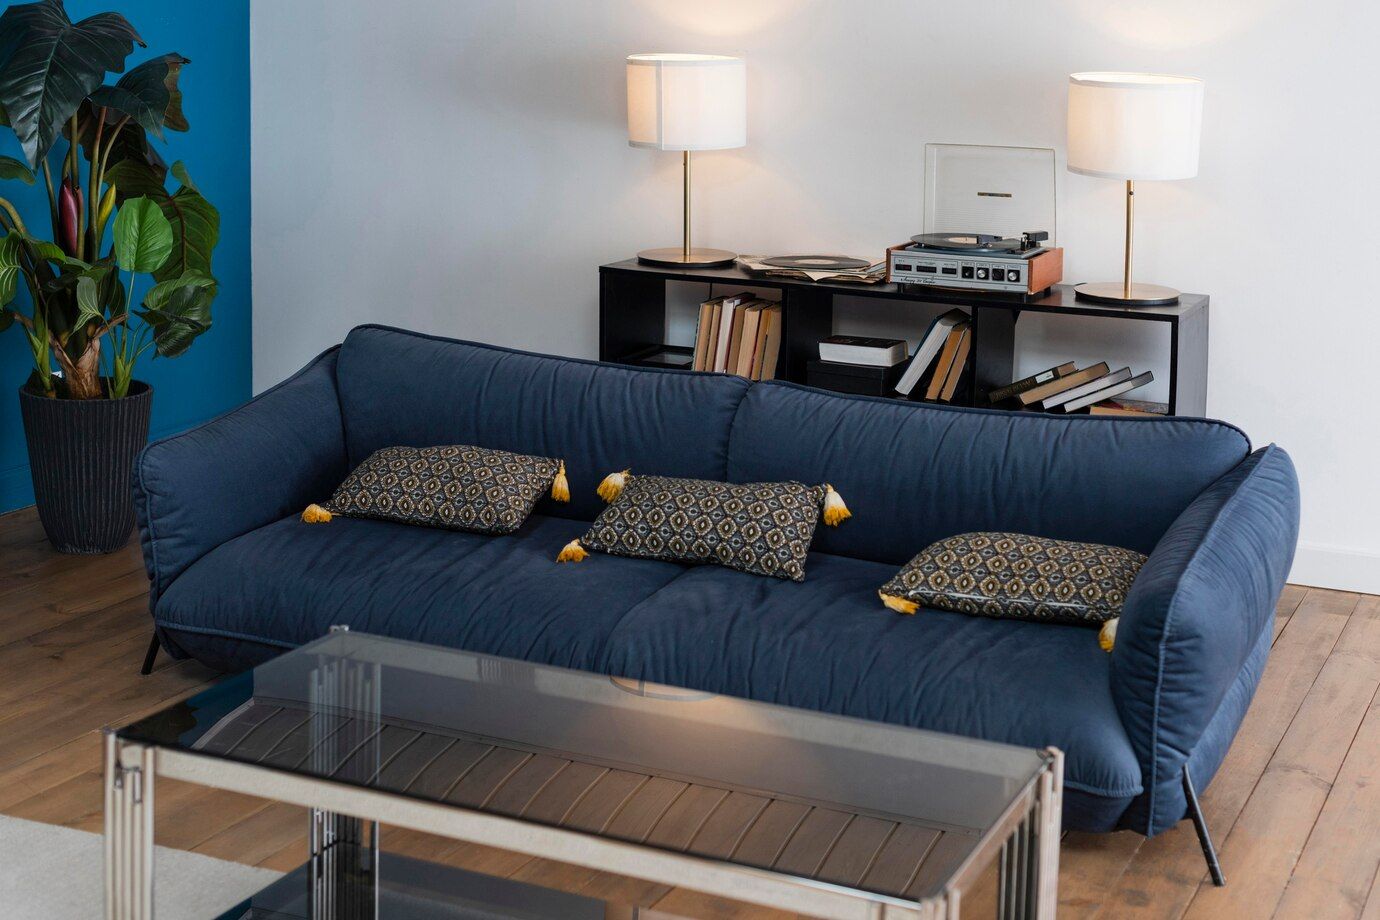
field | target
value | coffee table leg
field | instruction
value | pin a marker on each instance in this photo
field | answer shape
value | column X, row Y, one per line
column 128, row 830
column 344, row 866
column 1028, row 867
column 1048, row 825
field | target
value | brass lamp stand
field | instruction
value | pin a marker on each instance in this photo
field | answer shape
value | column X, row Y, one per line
column 685, row 255
column 1126, row 292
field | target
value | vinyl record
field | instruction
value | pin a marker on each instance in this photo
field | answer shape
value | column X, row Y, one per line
column 967, row 242
column 817, row 263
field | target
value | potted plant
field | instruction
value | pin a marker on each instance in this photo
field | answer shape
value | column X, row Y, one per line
column 85, row 310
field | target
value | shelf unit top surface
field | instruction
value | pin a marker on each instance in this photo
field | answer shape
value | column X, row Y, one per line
column 1061, row 298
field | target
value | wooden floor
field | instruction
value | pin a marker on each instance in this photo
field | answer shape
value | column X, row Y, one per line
column 1295, row 808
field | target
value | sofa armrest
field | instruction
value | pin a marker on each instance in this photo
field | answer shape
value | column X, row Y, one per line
column 1193, row 617
column 254, row 465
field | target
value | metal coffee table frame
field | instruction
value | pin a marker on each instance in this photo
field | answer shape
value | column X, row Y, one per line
column 1024, row 841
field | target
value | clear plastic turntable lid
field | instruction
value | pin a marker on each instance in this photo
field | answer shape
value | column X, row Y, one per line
column 973, row 188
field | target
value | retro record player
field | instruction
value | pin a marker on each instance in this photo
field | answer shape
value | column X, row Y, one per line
column 977, row 262
column 1000, row 189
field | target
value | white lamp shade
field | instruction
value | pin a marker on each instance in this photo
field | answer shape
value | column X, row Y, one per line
column 1134, row 125
column 687, row 101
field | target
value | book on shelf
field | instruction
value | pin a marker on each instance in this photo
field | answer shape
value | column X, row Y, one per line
column 1129, row 407
column 728, row 310
column 702, row 337
column 928, row 348
column 1017, row 387
column 771, row 344
column 1060, row 384
column 735, row 338
column 1083, row 389
column 747, row 342
column 960, row 363
column 858, row 349
column 947, row 356
column 1115, row 389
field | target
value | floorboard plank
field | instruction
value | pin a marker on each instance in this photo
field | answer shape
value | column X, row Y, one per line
column 1289, row 600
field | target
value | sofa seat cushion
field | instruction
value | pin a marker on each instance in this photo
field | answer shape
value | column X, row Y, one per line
column 289, row 582
column 827, row 644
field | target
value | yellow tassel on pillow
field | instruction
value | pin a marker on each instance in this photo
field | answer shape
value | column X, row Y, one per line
column 835, row 511
column 315, row 514
column 899, row 604
column 1106, row 636
column 612, row 486
column 560, row 486
column 572, row 552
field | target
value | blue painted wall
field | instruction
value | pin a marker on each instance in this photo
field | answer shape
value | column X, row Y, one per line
column 214, row 375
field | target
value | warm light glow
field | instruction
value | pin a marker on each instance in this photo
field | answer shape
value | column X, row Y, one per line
column 679, row 101
column 1134, row 125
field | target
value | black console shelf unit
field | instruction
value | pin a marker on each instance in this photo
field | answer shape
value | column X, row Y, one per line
column 632, row 323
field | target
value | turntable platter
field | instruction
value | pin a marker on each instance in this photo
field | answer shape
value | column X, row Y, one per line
column 967, row 242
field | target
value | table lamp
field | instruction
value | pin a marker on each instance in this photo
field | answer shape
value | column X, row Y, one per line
column 687, row 102
column 1133, row 126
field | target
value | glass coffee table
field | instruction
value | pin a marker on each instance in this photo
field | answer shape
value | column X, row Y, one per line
column 787, row 808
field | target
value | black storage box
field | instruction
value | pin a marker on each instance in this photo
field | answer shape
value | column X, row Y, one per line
column 854, row 378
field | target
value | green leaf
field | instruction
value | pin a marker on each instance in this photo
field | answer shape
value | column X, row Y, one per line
column 179, row 171
column 122, row 102
column 143, row 236
column 154, row 82
column 10, row 168
column 9, row 267
column 178, row 311
column 158, row 294
column 88, row 302
column 195, row 221
column 52, row 252
column 53, row 64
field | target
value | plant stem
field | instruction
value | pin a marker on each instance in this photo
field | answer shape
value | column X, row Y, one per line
column 15, row 219
column 110, row 144
column 52, row 196
column 93, row 194
column 82, row 223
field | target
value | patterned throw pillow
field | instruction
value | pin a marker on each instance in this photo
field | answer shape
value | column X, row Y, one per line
column 456, row 488
column 1016, row 576
column 763, row 528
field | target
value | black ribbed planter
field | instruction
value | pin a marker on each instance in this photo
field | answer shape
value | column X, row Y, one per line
column 81, row 454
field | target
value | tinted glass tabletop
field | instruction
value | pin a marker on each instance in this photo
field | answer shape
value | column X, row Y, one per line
column 880, row 807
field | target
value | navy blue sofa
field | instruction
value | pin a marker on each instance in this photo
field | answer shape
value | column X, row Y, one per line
column 236, row 578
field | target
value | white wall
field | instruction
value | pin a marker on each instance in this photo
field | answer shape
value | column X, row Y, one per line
column 461, row 168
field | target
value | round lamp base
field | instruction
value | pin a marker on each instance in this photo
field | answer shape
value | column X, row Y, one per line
column 1114, row 292
column 676, row 257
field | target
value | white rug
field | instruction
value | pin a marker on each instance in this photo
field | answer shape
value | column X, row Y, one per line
column 55, row 873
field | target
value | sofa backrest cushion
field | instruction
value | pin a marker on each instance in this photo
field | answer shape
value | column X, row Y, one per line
column 404, row 388
column 913, row 473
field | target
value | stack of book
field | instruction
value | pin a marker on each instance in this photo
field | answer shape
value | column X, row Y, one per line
column 1069, row 388
column 738, row 335
column 940, row 361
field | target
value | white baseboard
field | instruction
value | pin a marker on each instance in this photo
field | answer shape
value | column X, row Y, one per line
column 1323, row 566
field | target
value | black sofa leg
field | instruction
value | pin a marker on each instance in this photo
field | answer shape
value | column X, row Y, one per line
column 150, row 655
column 1195, row 812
